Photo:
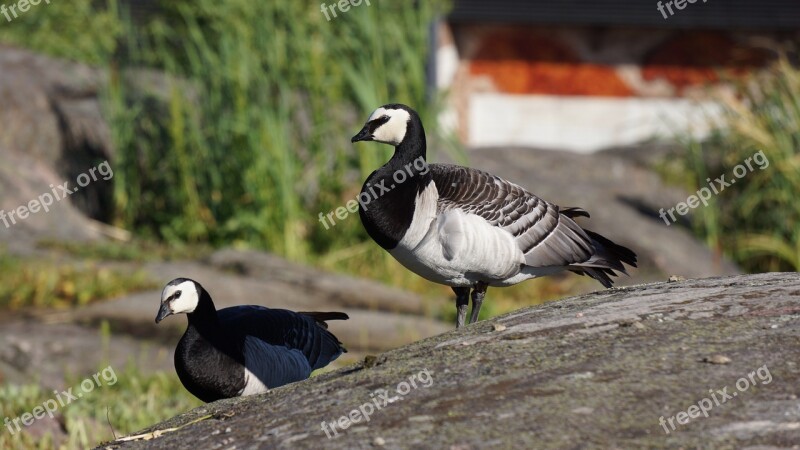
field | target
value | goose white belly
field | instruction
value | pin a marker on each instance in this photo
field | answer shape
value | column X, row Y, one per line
column 459, row 249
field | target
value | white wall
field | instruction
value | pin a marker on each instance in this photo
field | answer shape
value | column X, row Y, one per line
column 580, row 124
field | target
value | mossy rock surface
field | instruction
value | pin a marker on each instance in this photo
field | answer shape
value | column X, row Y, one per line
column 594, row 371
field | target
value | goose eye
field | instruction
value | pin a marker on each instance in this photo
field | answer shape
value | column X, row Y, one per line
column 177, row 295
column 378, row 122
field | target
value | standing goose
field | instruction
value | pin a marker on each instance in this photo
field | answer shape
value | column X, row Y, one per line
column 468, row 229
column 244, row 350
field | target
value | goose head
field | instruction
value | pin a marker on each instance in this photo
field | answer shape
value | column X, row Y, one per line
column 388, row 124
column 180, row 296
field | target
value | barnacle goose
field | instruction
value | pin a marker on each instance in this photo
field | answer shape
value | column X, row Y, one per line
column 244, row 350
column 468, row 229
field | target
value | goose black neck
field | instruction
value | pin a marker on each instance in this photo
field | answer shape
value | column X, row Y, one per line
column 412, row 147
column 393, row 189
column 204, row 317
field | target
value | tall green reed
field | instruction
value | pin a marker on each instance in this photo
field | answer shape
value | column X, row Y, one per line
column 757, row 220
column 264, row 96
column 82, row 30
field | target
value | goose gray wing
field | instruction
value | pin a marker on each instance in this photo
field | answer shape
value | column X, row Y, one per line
column 294, row 331
column 269, row 366
column 544, row 235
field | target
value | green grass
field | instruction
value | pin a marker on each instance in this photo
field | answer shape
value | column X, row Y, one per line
column 248, row 140
column 248, row 137
column 756, row 221
column 252, row 139
column 40, row 283
column 137, row 250
column 135, row 401
column 81, row 30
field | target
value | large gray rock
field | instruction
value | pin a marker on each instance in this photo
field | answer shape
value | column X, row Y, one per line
column 53, row 130
column 45, row 352
column 342, row 290
column 598, row 370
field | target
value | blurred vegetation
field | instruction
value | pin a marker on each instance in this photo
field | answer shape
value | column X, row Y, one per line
column 137, row 250
column 26, row 283
column 81, row 30
column 253, row 140
column 135, row 401
column 247, row 139
column 754, row 221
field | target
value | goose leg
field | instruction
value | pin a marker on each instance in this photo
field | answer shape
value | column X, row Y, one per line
column 477, row 299
column 462, row 300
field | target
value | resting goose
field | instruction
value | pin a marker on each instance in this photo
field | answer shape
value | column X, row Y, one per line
column 468, row 229
column 244, row 350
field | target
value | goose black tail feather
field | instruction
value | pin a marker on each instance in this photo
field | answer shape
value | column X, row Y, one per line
column 573, row 212
column 333, row 344
column 322, row 317
column 608, row 258
column 611, row 251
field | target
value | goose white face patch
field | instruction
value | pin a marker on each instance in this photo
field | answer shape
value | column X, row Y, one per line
column 186, row 301
column 393, row 131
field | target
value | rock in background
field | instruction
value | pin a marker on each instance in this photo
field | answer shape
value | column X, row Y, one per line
column 53, row 130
